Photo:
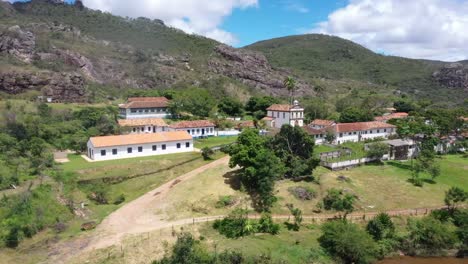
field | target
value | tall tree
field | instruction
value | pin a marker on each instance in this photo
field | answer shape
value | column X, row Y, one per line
column 290, row 84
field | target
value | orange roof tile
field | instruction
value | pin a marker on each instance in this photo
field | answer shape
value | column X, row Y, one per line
column 322, row 122
column 361, row 126
column 268, row 118
column 194, row 123
column 135, row 139
column 146, row 102
column 142, row 122
column 246, row 124
column 391, row 116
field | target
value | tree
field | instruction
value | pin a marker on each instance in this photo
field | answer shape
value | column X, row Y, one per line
column 297, row 214
column 454, row 196
column 255, row 104
column 186, row 250
column 353, row 114
column 315, row 108
column 337, row 200
column 319, row 90
column 330, row 137
column 428, row 236
column 377, row 150
column 290, row 84
column 295, row 149
column 195, row 101
column 404, row 106
column 381, row 227
column 231, row 107
column 259, row 167
column 348, row 242
column 207, row 153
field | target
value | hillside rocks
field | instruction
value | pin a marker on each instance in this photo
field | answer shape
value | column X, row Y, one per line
column 453, row 75
column 253, row 69
column 18, row 43
column 61, row 87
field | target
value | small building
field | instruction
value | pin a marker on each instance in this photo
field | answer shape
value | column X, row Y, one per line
column 402, row 149
column 282, row 114
column 360, row 131
column 196, row 128
column 385, row 118
column 138, row 145
column 145, row 107
column 319, row 134
column 143, row 125
column 321, row 123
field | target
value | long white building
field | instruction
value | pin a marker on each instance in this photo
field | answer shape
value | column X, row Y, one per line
column 196, row 128
column 138, row 145
column 143, row 125
column 145, row 107
column 281, row 114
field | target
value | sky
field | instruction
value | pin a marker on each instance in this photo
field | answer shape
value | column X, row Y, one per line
column 423, row 29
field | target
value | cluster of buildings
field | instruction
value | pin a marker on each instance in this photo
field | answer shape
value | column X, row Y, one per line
column 145, row 133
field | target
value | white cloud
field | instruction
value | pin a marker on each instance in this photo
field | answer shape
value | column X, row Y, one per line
column 296, row 7
column 203, row 17
column 429, row 29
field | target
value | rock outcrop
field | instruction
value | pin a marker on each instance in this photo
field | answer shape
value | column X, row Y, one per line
column 18, row 43
column 453, row 75
column 253, row 69
column 61, row 87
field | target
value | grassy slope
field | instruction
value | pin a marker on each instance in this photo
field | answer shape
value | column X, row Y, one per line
column 214, row 141
column 320, row 56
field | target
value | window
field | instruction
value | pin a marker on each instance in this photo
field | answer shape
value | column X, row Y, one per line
column 284, row 115
column 354, row 132
column 370, row 131
column 114, row 151
column 188, row 131
column 155, row 147
column 163, row 146
column 178, row 145
column 134, row 129
column 129, row 150
column 378, row 130
column 149, row 129
column 193, row 131
column 103, row 152
column 198, row 130
column 341, row 135
column 140, row 149
column 187, row 144
column 385, row 130
column 133, row 110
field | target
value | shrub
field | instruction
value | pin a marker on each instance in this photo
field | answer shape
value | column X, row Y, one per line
column 207, row 153
column 266, row 225
column 120, row 199
column 225, row 201
column 337, row 200
column 234, row 225
column 348, row 242
column 381, row 227
column 302, row 193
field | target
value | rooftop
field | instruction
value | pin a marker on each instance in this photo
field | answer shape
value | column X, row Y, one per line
column 135, row 139
column 194, row 123
column 399, row 142
column 322, row 122
column 283, row 107
column 361, row 126
column 142, row 122
column 146, row 102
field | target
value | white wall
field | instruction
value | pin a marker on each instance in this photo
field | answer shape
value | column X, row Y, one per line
column 171, row 147
column 282, row 118
column 368, row 134
column 232, row 132
column 158, row 113
column 197, row 131
column 144, row 129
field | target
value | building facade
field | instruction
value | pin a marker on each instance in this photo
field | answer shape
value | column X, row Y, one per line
column 142, row 125
column 195, row 128
column 138, row 145
column 145, row 107
column 282, row 114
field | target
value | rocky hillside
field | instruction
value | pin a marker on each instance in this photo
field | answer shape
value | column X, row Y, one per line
column 70, row 52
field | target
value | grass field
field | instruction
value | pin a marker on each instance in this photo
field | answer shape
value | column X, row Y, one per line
column 214, row 141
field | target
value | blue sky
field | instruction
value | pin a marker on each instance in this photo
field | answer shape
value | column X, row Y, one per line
column 426, row 29
column 277, row 18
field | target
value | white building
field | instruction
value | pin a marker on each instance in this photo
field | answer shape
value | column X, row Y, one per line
column 143, row 125
column 196, row 128
column 351, row 132
column 281, row 114
column 138, row 145
column 145, row 107
column 321, row 123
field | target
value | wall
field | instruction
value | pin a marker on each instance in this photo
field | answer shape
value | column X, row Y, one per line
column 171, row 147
column 282, row 118
column 197, row 132
column 355, row 137
column 227, row 133
column 159, row 113
column 144, row 129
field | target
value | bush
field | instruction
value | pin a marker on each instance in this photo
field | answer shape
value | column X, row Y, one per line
column 348, row 242
column 302, row 193
column 381, row 227
column 266, row 225
column 234, row 225
column 337, row 200
column 120, row 199
column 207, row 153
column 225, row 201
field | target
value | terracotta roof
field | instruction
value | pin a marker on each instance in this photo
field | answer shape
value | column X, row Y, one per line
column 280, row 107
column 190, row 124
column 245, row 124
column 146, row 102
column 391, row 116
column 322, row 122
column 142, row 122
column 135, row 139
column 465, row 119
column 361, row 126
column 268, row 118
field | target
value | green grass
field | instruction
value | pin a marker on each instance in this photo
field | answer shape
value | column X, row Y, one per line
column 323, row 148
column 214, row 141
column 286, row 247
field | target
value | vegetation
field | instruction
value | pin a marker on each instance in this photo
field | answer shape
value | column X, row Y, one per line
column 377, row 150
column 454, row 196
column 237, row 224
column 339, row 201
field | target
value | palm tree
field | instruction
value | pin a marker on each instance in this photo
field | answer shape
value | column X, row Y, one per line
column 290, row 84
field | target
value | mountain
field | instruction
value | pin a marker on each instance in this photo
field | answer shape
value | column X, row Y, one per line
column 317, row 56
column 73, row 53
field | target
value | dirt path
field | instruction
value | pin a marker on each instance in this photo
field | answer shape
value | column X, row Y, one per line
column 140, row 215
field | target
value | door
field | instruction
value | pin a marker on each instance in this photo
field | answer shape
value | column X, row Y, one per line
column 203, row 131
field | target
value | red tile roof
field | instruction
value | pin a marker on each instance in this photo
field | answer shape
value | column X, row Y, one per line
column 391, row 116
column 190, row 124
column 268, row 118
column 313, row 131
column 142, row 122
column 135, row 139
column 246, row 124
column 361, row 126
column 280, row 107
column 146, row 102
column 322, row 122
